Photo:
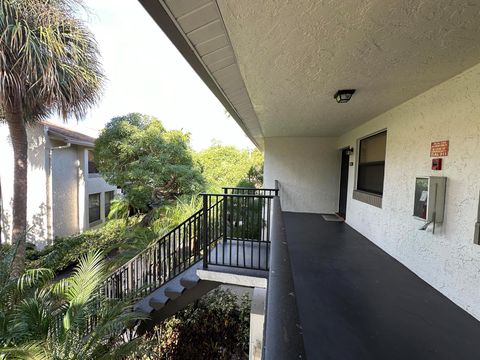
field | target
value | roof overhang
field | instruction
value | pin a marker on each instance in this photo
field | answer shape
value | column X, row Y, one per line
column 276, row 65
column 207, row 48
column 67, row 139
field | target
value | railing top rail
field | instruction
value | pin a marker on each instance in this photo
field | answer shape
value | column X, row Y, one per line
column 194, row 215
column 248, row 188
column 123, row 266
column 240, row 195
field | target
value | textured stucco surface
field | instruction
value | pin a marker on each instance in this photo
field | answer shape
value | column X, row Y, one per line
column 65, row 191
column 448, row 259
column 293, row 56
column 92, row 184
column 69, row 183
column 37, row 184
column 308, row 169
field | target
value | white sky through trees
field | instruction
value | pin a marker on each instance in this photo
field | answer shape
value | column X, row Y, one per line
column 147, row 74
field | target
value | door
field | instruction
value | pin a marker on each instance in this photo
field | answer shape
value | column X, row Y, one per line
column 342, row 206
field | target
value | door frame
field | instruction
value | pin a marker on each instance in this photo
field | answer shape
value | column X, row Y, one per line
column 343, row 187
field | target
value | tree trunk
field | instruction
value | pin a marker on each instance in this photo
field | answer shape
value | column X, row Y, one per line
column 18, row 135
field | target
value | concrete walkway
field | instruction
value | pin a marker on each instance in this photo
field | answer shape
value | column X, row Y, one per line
column 357, row 302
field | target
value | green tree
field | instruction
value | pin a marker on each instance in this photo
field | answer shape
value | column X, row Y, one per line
column 41, row 319
column 49, row 62
column 228, row 166
column 152, row 165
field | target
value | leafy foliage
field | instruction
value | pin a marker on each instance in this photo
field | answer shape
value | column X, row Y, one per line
column 53, row 320
column 216, row 327
column 65, row 252
column 49, row 63
column 49, row 59
column 229, row 166
column 149, row 163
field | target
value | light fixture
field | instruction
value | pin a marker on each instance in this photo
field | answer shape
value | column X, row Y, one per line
column 344, row 96
column 349, row 151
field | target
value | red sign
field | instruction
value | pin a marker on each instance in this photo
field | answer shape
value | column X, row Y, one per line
column 439, row 148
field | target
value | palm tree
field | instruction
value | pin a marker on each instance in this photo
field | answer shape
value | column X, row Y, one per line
column 69, row 319
column 48, row 63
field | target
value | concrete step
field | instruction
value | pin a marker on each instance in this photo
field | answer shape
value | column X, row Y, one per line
column 174, row 291
column 158, row 301
column 189, row 281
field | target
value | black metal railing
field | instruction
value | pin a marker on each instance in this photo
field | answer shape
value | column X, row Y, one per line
column 250, row 191
column 172, row 254
column 237, row 231
column 231, row 229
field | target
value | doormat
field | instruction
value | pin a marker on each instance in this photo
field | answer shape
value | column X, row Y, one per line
column 332, row 217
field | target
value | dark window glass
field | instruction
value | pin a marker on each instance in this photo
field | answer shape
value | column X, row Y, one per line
column 371, row 165
column 92, row 169
column 93, row 208
column 109, row 195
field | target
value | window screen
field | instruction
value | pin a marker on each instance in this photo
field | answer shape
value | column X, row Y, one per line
column 371, row 165
column 93, row 208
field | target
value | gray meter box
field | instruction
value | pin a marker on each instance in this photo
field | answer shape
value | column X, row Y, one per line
column 429, row 202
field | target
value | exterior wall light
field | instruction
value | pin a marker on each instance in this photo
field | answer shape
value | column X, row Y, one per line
column 344, row 96
column 349, row 151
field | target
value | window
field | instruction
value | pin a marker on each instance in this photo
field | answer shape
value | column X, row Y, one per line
column 109, row 195
column 93, row 208
column 371, row 164
column 92, row 169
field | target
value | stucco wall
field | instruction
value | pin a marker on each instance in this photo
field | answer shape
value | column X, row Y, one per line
column 92, row 184
column 37, row 191
column 308, row 169
column 448, row 259
column 65, row 191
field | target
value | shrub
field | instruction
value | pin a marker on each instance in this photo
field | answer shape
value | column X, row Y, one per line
column 216, row 327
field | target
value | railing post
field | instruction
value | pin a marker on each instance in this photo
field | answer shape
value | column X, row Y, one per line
column 205, row 231
column 225, row 208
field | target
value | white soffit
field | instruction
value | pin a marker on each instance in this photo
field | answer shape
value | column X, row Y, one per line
column 202, row 26
column 294, row 55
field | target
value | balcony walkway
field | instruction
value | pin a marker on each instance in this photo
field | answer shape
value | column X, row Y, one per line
column 357, row 302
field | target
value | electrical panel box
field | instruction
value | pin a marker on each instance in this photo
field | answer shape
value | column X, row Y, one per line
column 429, row 202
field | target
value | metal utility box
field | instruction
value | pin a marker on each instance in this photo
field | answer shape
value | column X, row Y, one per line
column 429, row 202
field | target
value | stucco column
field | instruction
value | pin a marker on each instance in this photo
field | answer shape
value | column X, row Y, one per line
column 257, row 319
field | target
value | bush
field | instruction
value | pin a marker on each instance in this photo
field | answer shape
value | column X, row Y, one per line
column 216, row 327
column 64, row 252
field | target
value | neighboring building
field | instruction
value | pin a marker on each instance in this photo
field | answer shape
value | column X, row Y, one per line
column 66, row 194
column 380, row 160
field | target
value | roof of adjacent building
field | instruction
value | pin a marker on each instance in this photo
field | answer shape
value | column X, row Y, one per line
column 68, row 135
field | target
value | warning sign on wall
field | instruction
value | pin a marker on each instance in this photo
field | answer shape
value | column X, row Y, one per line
column 439, row 148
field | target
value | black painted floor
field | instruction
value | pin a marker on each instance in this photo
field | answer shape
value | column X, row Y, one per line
column 357, row 302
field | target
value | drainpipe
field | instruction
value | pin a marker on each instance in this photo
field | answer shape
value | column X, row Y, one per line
column 50, row 189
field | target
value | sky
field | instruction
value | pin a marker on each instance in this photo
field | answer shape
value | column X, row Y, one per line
column 147, row 74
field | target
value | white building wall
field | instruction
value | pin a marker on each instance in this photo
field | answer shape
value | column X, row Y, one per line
column 37, row 184
column 93, row 184
column 308, row 169
column 65, row 191
column 448, row 259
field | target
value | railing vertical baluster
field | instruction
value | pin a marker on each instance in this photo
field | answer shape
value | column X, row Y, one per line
column 261, row 233
column 268, row 233
column 232, row 225
column 205, row 231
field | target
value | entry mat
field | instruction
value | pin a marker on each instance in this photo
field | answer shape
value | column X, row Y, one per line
column 332, row 217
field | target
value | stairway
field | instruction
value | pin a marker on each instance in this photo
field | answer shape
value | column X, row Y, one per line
column 230, row 232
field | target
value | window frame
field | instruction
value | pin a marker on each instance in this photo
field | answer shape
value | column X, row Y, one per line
column 362, row 189
column 99, row 220
column 91, row 167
